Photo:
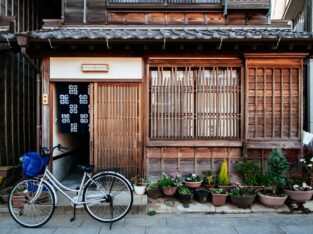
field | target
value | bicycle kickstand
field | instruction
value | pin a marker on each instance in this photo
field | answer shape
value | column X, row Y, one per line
column 74, row 215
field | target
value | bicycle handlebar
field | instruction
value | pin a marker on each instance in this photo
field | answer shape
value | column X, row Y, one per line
column 45, row 151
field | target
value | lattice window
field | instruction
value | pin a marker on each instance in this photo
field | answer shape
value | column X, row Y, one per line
column 194, row 102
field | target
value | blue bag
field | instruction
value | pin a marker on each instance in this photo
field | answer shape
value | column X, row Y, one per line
column 33, row 164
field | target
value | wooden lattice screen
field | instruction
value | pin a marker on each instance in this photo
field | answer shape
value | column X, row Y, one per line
column 194, row 102
column 117, row 128
column 274, row 96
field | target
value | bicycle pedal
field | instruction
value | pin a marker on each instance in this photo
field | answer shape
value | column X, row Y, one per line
column 72, row 219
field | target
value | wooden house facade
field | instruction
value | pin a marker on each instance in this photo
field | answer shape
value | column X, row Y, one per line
column 171, row 85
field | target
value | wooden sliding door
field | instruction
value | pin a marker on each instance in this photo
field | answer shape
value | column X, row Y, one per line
column 116, row 127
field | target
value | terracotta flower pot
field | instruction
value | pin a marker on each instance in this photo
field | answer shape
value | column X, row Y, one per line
column 155, row 193
column 271, row 201
column 219, row 199
column 193, row 184
column 299, row 196
column 243, row 201
column 169, row 191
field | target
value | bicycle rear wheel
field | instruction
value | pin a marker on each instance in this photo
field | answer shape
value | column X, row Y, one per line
column 29, row 208
column 108, row 197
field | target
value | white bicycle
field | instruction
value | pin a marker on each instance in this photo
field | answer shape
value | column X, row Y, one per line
column 107, row 196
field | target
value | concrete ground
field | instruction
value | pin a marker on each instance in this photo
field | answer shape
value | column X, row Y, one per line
column 179, row 223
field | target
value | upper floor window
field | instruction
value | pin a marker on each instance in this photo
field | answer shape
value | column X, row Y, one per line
column 194, row 102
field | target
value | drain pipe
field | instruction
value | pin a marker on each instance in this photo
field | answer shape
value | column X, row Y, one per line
column 22, row 41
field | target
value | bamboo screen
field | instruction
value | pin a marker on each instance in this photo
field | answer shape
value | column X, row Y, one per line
column 273, row 102
column 194, row 102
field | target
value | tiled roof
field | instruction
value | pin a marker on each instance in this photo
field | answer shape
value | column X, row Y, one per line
column 180, row 33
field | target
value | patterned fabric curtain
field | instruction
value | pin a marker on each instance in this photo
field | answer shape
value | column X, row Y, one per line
column 73, row 107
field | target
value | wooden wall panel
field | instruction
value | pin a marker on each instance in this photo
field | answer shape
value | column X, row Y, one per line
column 273, row 99
column 256, row 18
column 176, row 18
column 187, row 160
column 135, row 18
column 196, row 18
column 116, row 18
column 237, row 18
column 215, row 18
column 74, row 11
column 155, row 18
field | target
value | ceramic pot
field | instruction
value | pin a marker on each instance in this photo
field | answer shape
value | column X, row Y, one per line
column 271, row 201
column 299, row 196
column 242, row 201
column 193, row 184
column 201, row 195
column 169, row 191
column 219, row 199
column 139, row 190
column 184, row 198
column 155, row 193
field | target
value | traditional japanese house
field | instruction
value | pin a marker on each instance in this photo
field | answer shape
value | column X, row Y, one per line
column 148, row 86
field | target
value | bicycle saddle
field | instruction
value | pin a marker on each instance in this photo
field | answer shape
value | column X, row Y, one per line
column 86, row 168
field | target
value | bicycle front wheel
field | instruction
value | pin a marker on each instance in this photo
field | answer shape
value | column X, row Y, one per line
column 31, row 205
column 108, row 197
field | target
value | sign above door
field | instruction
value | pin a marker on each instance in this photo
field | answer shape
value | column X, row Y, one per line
column 95, row 68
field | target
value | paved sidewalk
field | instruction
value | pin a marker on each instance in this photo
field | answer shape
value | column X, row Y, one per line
column 182, row 223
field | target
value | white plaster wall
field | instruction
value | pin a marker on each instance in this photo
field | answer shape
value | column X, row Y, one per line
column 119, row 68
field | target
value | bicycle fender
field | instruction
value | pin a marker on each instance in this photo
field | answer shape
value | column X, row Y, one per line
column 116, row 173
column 53, row 191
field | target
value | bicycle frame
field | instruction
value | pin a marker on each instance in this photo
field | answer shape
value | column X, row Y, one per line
column 50, row 179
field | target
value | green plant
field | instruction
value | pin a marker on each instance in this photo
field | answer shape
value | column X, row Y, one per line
column 184, row 190
column 242, row 191
column 249, row 170
column 193, row 178
column 151, row 213
column 153, row 184
column 171, row 180
column 223, row 178
column 218, row 191
column 138, row 180
column 277, row 166
column 263, row 180
column 208, row 177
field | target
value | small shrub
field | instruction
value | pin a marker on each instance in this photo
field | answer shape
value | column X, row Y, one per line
column 277, row 166
column 223, row 178
column 249, row 170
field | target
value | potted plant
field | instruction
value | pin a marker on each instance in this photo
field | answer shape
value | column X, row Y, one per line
column 154, row 189
column 223, row 179
column 241, row 196
column 277, row 167
column 193, row 181
column 249, row 171
column 169, row 183
column 201, row 195
column 298, row 189
column 208, row 179
column 219, row 196
column 184, row 194
column 139, row 185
